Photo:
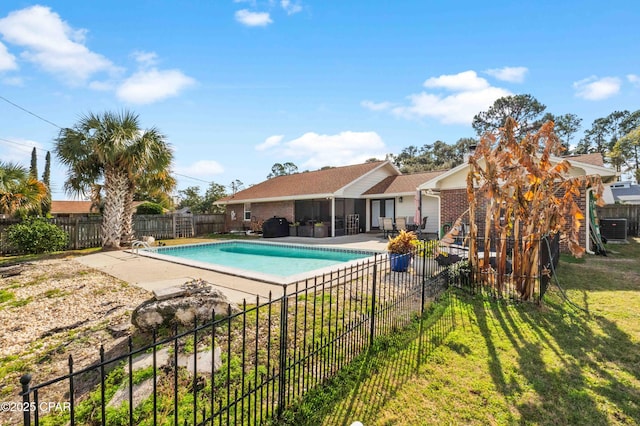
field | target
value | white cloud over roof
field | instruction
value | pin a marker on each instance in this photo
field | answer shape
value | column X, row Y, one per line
column 313, row 150
column 452, row 99
column 270, row 142
column 202, row 168
column 595, row 89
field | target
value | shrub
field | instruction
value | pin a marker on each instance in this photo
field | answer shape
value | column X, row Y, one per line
column 36, row 235
column 402, row 243
column 149, row 208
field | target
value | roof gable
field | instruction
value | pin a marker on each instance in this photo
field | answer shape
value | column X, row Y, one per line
column 402, row 184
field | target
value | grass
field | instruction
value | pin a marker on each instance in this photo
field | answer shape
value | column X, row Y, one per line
column 503, row 363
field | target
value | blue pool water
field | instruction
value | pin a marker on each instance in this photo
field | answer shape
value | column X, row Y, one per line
column 280, row 260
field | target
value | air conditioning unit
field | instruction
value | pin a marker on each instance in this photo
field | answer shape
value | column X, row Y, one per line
column 613, row 229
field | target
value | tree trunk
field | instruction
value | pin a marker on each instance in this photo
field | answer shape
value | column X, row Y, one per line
column 126, row 236
column 115, row 190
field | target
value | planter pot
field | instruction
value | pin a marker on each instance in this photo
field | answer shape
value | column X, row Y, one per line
column 320, row 231
column 293, row 231
column 426, row 266
column 305, row 231
column 447, row 260
column 400, row 262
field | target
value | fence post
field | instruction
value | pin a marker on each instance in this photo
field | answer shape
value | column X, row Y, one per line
column 423, row 276
column 373, row 301
column 282, row 382
column 25, row 381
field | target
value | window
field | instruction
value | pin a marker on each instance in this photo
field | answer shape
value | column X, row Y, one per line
column 247, row 211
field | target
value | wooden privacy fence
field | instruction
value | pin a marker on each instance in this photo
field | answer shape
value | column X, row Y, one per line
column 84, row 232
column 631, row 212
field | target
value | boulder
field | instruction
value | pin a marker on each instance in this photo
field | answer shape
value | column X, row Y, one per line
column 194, row 299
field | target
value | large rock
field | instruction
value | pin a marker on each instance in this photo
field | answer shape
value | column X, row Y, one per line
column 190, row 300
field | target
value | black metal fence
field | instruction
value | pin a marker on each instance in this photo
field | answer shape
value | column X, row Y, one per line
column 244, row 366
column 247, row 365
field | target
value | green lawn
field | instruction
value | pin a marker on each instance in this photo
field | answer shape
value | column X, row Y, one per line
column 504, row 363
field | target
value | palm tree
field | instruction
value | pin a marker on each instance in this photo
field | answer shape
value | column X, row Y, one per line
column 111, row 148
column 20, row 193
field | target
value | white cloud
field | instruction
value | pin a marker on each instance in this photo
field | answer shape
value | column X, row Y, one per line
column 344, row 148
column 52, row 44
column 376, row 106
column 145, row 59
column 202, row 168
column 20, row 151
column 148, row 86
column 290, row 8
column 594, row 88
column 458, row 108
column 7, row 60
column 270, row 142
column 634, row 79
column 510, row 74
column 253, row 19
column 467, row 80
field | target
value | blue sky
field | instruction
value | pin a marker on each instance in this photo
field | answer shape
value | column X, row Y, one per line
column 240, row 85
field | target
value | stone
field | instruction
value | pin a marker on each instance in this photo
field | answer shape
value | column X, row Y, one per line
column 204, row 362
column 168, row 292
column 198, row 300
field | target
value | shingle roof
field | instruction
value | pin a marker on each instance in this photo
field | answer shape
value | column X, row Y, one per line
column 326, row 181
column 70, row 207
column 595, row 159
column 403, row 183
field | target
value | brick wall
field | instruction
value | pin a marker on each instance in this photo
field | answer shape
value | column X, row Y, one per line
column 259, row 211
column 455, row 203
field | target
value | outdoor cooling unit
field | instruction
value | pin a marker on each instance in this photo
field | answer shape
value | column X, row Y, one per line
column 613, row 229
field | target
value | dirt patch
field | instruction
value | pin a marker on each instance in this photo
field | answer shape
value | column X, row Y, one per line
column 55, row 308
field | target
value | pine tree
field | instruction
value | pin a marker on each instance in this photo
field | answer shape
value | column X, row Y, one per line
column 46, row 179
column 33, row 171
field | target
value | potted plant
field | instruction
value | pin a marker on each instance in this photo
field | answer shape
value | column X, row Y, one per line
column 424, row 261
column 320, row 230
column 400, row 248
column 293, row 229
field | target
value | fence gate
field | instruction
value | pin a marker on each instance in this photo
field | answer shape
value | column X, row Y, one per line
column 183, row 226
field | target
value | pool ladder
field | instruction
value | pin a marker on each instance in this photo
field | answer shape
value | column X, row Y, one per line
column 137, row 244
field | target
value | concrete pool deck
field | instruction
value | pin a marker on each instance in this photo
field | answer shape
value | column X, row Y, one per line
column 152, row 274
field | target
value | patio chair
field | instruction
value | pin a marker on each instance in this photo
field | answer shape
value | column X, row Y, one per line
column 401, row 223
column 386, row 224
column 422, row 229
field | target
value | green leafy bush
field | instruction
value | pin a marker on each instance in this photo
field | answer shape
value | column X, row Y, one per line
column 149, row 208
column 36, row 235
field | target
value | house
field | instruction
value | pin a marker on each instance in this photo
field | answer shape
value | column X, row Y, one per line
column 333, row 197
column 625, row 193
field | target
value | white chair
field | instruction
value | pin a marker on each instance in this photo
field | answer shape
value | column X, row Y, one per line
column 401, row 224
column 387, row 226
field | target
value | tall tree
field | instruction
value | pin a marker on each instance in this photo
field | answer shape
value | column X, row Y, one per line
column 524, row 109
column 190, row 197
column 566, row 126
column 111, row 148
column 46, row 179
column 236, row 186
column 20, row 194
column 33, row 170
column 279, row 169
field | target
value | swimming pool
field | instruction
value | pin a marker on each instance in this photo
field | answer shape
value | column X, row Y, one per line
column 270, row 262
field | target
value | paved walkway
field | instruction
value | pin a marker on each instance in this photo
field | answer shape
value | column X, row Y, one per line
column 152, row 274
